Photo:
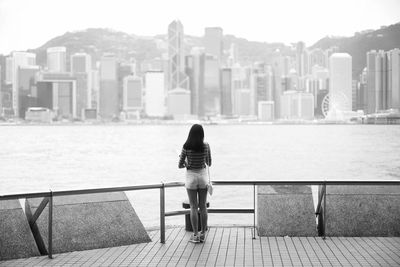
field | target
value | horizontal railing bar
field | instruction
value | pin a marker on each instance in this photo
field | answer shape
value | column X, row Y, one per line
column 309, row 182
column 91, row 191
column 184, row 212
column 178, row 184
column 230, row 210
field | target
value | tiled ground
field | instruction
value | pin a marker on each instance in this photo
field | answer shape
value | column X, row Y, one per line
column 233, row 246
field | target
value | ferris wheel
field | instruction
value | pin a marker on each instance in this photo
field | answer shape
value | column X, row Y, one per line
column 342, row 102
column 325, row 105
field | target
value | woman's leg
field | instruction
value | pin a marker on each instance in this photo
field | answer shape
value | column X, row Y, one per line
column 203, row 209
column 192, row 194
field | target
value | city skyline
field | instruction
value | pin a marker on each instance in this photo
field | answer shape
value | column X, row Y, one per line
column 292, row 21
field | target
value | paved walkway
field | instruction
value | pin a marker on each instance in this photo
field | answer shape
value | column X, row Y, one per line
column 233, row 246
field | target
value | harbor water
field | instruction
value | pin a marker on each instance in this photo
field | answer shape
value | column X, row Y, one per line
column 39, row 158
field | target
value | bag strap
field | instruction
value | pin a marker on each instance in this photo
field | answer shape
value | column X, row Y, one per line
column 208, row 171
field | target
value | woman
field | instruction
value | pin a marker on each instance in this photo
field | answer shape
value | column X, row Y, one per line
column 195, row 156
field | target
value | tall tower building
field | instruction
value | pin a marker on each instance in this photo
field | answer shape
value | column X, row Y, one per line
column 394, row 77
column 18, row 60
column 81, row 67
column 381, row 80
column 226, row 92
column 340, row 89
column 212, row 90
column 195, row 64
column 176, row 56
column 371, row 94
column 132, row 102
column 57, row 59
column 155, row 93
column 108, row 99
column 213, row 42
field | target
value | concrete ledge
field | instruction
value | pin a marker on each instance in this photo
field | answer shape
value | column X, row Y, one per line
column 285, row 210
column 16, row 240
column 91, row 221
column 363, row 211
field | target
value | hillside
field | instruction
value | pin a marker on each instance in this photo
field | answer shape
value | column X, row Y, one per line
column 99, row 41
column 358, row 45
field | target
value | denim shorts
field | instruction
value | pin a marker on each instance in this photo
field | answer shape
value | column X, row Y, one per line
column 196, row 179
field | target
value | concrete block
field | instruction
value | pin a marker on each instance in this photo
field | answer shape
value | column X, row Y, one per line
column 285, row 210
column 16, row 240
column 363, row 211
column 90, row 221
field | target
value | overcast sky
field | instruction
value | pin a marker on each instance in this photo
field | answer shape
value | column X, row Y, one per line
column 30, row 23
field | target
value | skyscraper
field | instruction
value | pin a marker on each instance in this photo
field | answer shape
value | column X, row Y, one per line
column 17, row 60
column 155, row 93
column 340, row 89
column 226, row 92
column 213, row 42
column 26, row 88
column 132, row 96
column 81, row 66
column 176, row 56
column 57, row 59
column 381, row 80
column 212, row 90
column 108, row 99
column 371, row 94
column 394, row 78
column 195, row 64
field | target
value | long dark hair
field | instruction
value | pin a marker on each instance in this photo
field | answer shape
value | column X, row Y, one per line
column 195, row 140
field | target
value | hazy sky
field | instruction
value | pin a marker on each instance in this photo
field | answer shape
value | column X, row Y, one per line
column 30, row 23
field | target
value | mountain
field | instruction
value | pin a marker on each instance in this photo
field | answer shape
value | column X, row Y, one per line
column 357, row 46
column 97, row 41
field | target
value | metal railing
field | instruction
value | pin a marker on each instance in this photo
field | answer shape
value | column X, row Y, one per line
column 320, row 212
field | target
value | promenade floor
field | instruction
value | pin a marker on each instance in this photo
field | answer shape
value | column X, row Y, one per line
column 233, row 246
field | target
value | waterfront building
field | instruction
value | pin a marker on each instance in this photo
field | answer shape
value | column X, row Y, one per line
column 297, row 105
column 362, row 100
column 57, row 59
column 178, row 103
column 381, row 80
column 57, row 92
column 371, row 87
column 95, row 89
column 132, row 96
column 212, row 90
column 265, row 110
column 176, row 57
column 226, row 92
column 394, row 78
column 340, row 88
column 8, row 78
column 242, row 102
column 16, row 61
column 277, row 70
column 39, row 114
column 233, row 57
column 155, row 93
column 81, row 66
column 108, row 97
column 26, row 88
column 301, row 58
column 213, row 42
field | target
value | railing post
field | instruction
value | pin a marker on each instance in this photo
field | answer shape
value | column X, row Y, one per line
column 162, row 213
column 254, row 211
column 50, row 225
column 324, row 211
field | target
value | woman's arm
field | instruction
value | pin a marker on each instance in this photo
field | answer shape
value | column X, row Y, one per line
column 208, row 157
column 182, row 157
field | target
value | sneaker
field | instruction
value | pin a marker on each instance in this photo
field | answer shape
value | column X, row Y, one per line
column 202, row 237
column 194, row 239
